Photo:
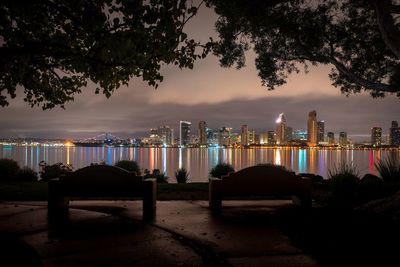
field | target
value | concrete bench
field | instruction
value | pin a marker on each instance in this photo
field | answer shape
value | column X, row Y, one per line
column 101, row 182
column 262, row 180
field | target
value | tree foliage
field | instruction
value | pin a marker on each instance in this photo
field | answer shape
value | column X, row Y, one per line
column 360, row 39
column 51, row 48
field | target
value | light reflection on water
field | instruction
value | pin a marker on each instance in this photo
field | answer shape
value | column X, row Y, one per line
column 198, row 161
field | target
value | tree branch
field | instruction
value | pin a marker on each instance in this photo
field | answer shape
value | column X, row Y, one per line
column 395, row 9
column 389, row 32
column 361, row 81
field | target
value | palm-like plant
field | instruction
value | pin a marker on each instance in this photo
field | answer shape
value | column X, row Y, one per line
column 221, row 169
column 182, row 176
column 389, row 169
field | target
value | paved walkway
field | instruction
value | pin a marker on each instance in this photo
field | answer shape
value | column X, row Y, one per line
column 111, row 233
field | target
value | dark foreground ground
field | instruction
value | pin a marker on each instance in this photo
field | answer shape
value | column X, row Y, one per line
column 247, row 233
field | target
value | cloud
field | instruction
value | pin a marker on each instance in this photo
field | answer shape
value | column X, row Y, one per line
column 220, row 96
column 126, row 115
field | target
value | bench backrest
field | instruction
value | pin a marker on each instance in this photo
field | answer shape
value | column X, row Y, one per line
column 101, row 180
column 263, row 180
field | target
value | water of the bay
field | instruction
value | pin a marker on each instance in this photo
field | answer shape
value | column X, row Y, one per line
column 198, row 161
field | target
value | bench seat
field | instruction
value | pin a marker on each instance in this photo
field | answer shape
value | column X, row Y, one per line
column 101, row 182
column 258, row 181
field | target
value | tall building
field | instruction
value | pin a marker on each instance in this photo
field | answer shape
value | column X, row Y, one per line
column 184, row 133
column 331, row 138
column 312, row 129
column 224, row 136
column 252, row 137
column 264, row 138
column 376, row 136
column 212, row 136
column 321, row 131
column 289, row 134
column 154, row 137
column 281, row 130
column 166, row 135
column 299, row 135
column 343, row 139
column 202, row 133
column 394, row 134
column 244, row 138
column 271, row 138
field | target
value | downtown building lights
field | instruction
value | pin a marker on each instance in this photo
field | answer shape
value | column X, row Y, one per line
column 200, row 135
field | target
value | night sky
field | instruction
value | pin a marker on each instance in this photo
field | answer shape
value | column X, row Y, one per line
column 221, row 97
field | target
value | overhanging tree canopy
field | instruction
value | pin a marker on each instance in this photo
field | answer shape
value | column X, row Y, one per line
column 361, row 39
column 52, row 47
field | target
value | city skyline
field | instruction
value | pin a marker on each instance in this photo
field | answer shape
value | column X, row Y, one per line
column 208, row 92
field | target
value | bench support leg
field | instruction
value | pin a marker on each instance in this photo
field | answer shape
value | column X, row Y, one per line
column 149, row 199
column 215, row 203
column 57, row 204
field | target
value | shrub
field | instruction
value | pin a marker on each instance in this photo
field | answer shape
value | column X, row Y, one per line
column 344, row 182
column 160, row 176
column 370, row 187
column 9, row 169
column 129, row 165
column 26, row 174
column 56, row 170
column 389, row 169
column 182, row 176
column 221, row 169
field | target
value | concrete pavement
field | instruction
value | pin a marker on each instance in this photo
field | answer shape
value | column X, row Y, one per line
column 184, row 233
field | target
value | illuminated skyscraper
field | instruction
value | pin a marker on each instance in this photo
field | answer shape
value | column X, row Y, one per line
column 184, row 133
column 343, row 139
column 289, row 134
column 244, row 138
column 252, row 137
column 299, row 135
column 166, row 135
column 271, row 138
column 376, row 136
column 331, row 138
column 394, row 134
column 312, row 129
column 202, row 133
column 281, row 130
column 224, row 136
column 321, row 131
column 154, row 137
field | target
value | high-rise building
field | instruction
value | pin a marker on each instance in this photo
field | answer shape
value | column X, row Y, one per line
column 281, row 130
column 394, row 134
column 299, row 135
column 154, row 137
column 376, row 136
column 321, row 131
column 212, row 136
column 289, row 134
column 202, row 133
column 224, row 136
column 312, row 129
column 244, row 138
column 235, row 139
column 271, row 138
column 264, row 138
column 343, row 139
column 166, row 135
column 252, row 137
column 184, row 134
column 331, row 138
